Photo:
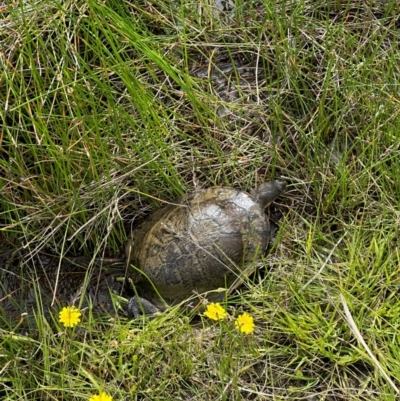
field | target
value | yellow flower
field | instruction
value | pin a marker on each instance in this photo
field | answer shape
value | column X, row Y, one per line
column 101, row 397
column 215, row 311
column 245, row 323
column 70, row 316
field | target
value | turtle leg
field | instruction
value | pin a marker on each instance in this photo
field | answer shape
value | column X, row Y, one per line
column 138, row 306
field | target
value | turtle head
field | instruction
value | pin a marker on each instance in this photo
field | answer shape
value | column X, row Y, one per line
column 267, row 192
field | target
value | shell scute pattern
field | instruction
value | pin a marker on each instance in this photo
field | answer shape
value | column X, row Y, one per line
column 200, row 243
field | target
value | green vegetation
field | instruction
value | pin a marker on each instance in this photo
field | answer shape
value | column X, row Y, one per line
column 109, row 108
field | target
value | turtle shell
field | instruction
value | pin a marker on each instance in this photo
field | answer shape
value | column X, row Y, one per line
column 200, row 243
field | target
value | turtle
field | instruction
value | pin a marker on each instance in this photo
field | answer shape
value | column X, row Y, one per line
column 206, row 240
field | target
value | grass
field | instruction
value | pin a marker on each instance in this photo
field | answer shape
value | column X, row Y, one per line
column 109, row 109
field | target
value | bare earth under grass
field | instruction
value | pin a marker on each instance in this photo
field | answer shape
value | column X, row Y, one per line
column 108, row 109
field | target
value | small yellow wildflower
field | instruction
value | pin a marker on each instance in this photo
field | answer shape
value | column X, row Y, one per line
column 101, row 397
column 70, row 316
column 215, row 311
column 245, row 323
